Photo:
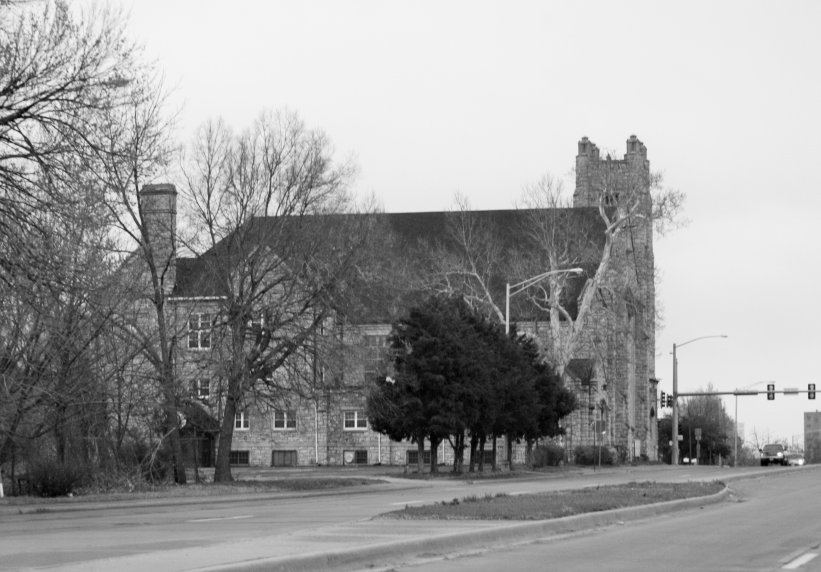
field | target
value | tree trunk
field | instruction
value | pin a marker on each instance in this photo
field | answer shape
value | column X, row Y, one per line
column 474, row 441
column 420, row 457
column 459, row 452
column 166, row 371
column 481, row 453
column 222, row 468
column 171, row 424
column 509, row 453
column 494, row 465
column 434, row 449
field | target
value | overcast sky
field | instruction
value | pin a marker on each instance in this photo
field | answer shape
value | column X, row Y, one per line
column 483, row 98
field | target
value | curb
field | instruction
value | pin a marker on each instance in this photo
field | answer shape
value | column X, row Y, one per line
column 392, row 552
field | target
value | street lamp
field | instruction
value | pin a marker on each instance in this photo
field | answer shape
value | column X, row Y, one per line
column 674, row 460
column 513, row 289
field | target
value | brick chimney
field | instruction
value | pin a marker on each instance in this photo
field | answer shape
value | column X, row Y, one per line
column 158, row 207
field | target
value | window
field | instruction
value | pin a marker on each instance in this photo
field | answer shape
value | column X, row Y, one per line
column 201, row 388
column 283, row 458
column 199, row 331
column 487, row 456
column 284, row 419
column 355, row 420
column 358, row 457
column 238, row 458
column 242, row 421
column 413, row 457
column 374, row 356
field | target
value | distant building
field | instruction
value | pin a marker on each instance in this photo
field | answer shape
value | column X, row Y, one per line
column 812, row 436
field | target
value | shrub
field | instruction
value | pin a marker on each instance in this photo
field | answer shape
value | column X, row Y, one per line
column 54, row 479
column 113, row 480
column 589, row 455
column 548, row 455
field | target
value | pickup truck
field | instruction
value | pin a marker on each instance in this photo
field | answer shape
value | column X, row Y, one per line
column 774, row 453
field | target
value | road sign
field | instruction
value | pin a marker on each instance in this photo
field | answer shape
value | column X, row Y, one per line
column 790, row 391
column 681, row 437
column 698, row 434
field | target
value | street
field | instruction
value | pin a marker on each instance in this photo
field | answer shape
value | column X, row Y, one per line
column 769, row 523
column 208, row 532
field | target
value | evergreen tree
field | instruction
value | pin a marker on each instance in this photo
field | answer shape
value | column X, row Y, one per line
column 457, row 373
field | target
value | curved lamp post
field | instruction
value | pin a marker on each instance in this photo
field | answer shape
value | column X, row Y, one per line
column 513, row 289
column 674, row 460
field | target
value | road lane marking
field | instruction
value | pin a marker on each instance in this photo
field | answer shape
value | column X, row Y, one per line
column 407, row 502
column 221, row 518
column 800, row 561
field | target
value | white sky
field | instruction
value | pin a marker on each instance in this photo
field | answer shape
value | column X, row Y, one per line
column 484, row 97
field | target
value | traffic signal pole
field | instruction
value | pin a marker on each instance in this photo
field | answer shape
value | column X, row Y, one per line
column 810, row 391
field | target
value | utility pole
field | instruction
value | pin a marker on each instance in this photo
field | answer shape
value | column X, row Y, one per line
column 676, row 394
column 674, row 460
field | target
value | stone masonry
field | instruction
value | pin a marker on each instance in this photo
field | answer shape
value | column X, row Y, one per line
column 618, row 344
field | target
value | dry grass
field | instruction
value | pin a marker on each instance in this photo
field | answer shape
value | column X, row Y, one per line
column 558, row 504
column 146, row 491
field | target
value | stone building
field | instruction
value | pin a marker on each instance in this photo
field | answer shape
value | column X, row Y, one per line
column 611, row 370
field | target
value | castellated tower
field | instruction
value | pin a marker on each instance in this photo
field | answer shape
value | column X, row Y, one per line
column 622, row 186
column 618, row 180
column 158, row 205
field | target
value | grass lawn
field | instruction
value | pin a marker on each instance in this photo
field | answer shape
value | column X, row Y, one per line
column 557, row 504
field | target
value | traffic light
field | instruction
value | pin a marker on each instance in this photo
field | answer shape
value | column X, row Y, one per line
column 810, row 391
column 770, row 391
column 664, row 399
column 670, row 400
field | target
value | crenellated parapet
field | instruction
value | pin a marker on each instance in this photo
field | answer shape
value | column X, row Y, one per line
column 612, row 181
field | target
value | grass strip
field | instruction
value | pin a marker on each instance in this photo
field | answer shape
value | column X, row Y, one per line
column 558, row 504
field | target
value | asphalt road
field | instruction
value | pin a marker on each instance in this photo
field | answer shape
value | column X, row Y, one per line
column 251, row 531
column 768, row 523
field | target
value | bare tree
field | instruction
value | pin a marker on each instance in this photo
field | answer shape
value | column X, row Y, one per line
column 58, row 69
column 82, row 121
column 273, row 208
column 472, row 258
column 550, row 236
column 51, row 334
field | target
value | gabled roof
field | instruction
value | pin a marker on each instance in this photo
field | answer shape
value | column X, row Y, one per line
column 410, row 241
